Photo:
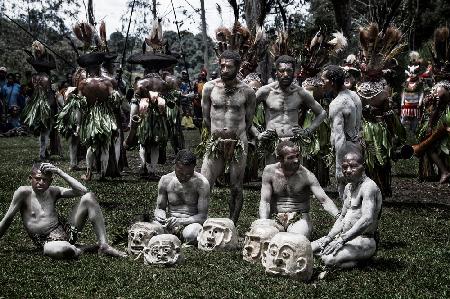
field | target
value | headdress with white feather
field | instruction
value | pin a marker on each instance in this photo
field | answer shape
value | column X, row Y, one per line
column 317, row 52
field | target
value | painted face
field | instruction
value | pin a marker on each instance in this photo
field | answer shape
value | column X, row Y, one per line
column 217, row 233
column 327, row 84
column 228, row 69
column 285, row 74
column 140, row 234
column 40, row 181
column 255, row 240
column 184, row 172
column 163, row 249
column 289, row 254
column 352, row 168
column 350, row 82
column 291, row 159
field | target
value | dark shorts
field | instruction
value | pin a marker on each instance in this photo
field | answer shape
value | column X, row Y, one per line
column 63, row 232
column 58, row 234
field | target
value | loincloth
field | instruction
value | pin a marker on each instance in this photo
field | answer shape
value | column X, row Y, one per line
column 58, row 234
column 286, row 219
column 230, row 149
column 62, row 232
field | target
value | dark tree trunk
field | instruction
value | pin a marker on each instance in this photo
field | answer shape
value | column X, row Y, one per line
column 342, row 15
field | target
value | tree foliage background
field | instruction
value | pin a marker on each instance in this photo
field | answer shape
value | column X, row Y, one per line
column 51, row 21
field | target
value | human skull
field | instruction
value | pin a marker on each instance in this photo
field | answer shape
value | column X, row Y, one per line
column 140, row 234
column 267, row 222
column 254, row 240
column 289, row 254
column 217, row 233
column 164, row 249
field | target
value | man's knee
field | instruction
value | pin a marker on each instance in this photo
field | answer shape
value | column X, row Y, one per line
column 330, row 260
column 60, row 250
column 89, row 199
column 191, row 232
column 300, row 227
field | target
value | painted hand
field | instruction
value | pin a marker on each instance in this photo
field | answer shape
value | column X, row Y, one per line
column 333, row 247
column 266, row 135
column 49, row 168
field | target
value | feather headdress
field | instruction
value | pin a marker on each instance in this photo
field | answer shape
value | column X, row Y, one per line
column 239, row 39
column 378, row 49
column 39, row 58
column 155, row 38
column 414, row 57
column 441, row 53
column 317, row 52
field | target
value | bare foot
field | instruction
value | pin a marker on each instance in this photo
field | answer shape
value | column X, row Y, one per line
column 87, row 176
column 444, row 178
column 111, row 251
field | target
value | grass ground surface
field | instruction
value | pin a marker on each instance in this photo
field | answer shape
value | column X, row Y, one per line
column 413, row 260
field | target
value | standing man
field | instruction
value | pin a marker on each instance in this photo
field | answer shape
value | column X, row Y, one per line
column 282, row 102
column 228, row 106
column 345, row 118
column 11, row 92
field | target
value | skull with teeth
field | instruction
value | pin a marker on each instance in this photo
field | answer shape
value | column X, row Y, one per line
column 164, row 249
column 255, row 240
column 289, row 254
column 140, row 234
column 218, row 234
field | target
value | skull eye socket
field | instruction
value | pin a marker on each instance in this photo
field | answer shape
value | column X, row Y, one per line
column 132, row 234
column 140, row 235
column 166, row 250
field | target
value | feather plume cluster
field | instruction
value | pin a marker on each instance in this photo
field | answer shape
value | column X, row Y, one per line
column 155, row 38
column 414, row 57
column 338, row 43
column 102, row 31
column 351, row 59
column 237, row 39
column 441, row 53
column 250, row 47
column 379, row 47
column 38, row 50
column 91, row 39
column 84, row 32
column 281, row 45
column 317, row 52
column 441, row 47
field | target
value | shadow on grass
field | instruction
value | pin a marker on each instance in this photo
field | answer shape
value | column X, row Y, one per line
column 392, row 244
column 429, row 206
column 382, row 264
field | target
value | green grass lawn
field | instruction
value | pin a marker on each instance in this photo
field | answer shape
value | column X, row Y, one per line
column 413, row 260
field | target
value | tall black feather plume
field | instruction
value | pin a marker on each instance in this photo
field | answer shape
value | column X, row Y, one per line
column 235, row 7
column 91, row 17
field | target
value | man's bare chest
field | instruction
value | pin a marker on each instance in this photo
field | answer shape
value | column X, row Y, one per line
column 232, row 100
column 179, row 194
column 281, row 103
column 289, row 187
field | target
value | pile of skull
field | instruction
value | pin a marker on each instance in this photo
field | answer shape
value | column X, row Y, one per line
column 281, row 253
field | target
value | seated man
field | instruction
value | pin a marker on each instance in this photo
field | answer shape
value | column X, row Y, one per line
column 352, row 237
column 184, row 193
column 37, row 205
column 285, row 191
